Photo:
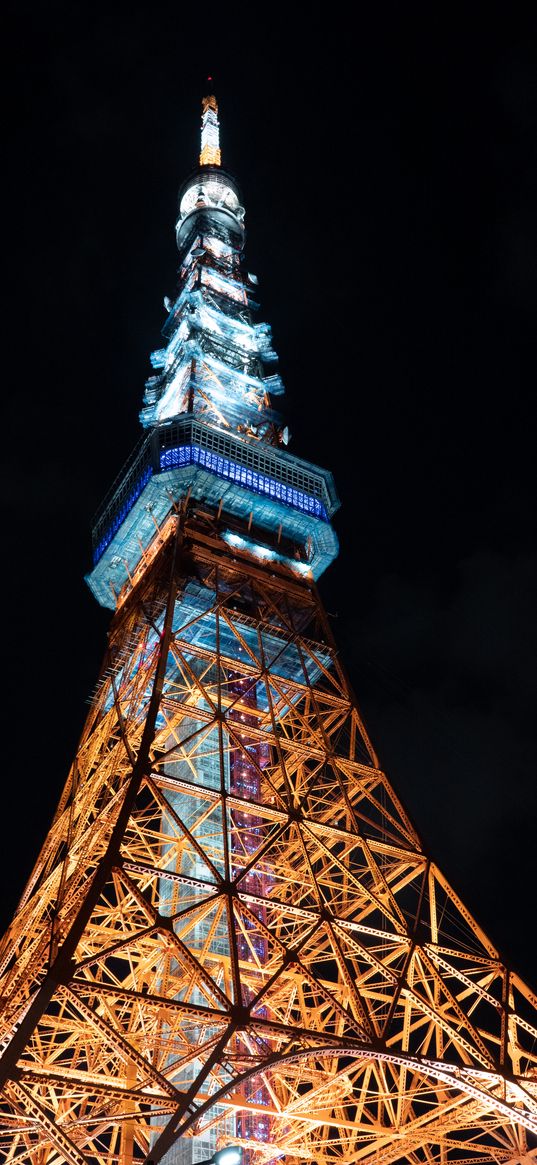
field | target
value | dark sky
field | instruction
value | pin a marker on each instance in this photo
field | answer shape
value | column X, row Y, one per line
column 390, row 182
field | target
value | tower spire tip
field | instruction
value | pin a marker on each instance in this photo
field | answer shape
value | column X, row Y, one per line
column 210, row 154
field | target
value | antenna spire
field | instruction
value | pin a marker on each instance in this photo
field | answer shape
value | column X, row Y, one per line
column 210, row 131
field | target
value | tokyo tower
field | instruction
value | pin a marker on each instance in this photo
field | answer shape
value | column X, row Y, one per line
column 233, row 935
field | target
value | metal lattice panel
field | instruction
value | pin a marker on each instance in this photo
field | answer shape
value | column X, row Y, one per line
column 233, row 930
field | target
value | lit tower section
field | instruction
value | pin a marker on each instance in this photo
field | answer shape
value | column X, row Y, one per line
column 233, row 934
column 214, row 438
column 212, row 429
column 210, row 133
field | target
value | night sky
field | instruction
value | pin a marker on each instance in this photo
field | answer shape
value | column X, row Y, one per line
column 390, row 183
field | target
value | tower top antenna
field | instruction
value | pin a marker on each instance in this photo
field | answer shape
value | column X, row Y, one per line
column 210, row 154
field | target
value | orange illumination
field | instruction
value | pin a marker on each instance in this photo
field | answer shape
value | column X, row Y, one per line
column 210, row 133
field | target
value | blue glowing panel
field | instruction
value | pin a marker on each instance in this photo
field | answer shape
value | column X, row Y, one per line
column 120, row 516
column 258, row 483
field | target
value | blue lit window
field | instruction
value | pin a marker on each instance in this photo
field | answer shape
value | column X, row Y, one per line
column 182, row 455
column 121, row 514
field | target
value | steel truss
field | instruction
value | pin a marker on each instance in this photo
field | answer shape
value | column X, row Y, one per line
column 190, row 947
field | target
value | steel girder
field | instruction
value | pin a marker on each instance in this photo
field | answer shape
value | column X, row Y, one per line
column 233, row 923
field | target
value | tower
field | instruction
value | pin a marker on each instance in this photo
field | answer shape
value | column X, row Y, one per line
column 233, row 932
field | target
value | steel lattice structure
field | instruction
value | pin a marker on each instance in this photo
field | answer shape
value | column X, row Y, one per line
column 233, row 932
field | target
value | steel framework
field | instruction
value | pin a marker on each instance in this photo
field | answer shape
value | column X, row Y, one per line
column 184, row 953
column 233, row 931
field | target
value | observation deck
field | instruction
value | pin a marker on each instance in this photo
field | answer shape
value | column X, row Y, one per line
column 209, row 190
column 289, row 500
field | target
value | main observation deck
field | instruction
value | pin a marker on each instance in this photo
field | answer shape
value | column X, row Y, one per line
column 290, row 500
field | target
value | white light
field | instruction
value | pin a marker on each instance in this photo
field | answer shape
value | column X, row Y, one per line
column 229, row 1156
column 234, row 539
column 173, row 401
column 216, row 191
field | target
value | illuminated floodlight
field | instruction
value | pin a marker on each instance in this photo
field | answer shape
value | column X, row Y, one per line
column 234, row 539
column 231, row 1155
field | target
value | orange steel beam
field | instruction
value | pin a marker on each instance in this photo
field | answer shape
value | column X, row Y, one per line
column 185, row 946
